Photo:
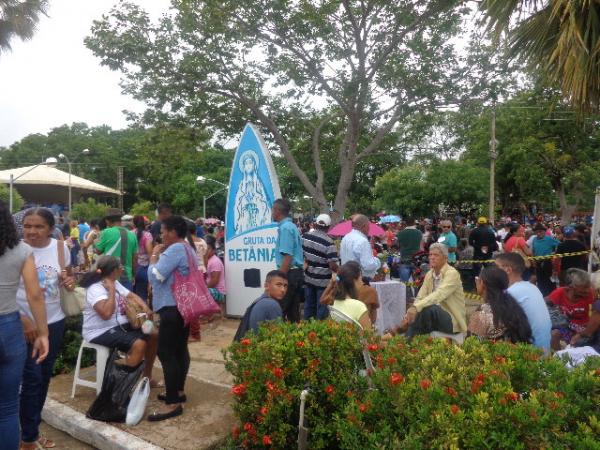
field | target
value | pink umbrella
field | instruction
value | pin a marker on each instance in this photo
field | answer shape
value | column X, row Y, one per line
column 343, row 228
column 212, row 221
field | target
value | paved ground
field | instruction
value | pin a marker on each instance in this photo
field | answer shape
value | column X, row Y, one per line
column 207, row 417
column 62, row 440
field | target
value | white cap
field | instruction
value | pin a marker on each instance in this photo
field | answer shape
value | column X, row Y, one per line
column 323, row 220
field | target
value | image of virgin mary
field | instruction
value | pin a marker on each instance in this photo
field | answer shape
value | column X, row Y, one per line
column 252, row 208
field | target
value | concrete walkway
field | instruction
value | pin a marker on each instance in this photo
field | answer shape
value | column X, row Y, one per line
column 207, row 417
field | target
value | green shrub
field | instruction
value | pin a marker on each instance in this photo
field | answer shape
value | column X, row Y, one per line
column 143, row 208
column 5, row 197
column 426, row 394
column 88, row 210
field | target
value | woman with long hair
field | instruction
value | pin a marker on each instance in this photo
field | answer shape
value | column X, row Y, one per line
column 104, row 319
column 144, row 239
column 17, row 263
column 52, row 262
column 171, row 256
column 343, row 288
column 500, row 317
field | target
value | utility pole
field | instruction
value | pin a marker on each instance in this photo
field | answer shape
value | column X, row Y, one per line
column 120, row 186
column 493, row 156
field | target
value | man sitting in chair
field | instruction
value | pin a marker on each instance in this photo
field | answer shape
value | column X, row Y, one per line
column 440, row 304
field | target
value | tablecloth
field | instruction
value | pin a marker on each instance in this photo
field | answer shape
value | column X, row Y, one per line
column 392, row 304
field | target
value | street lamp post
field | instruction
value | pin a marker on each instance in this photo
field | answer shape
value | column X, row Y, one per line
column 85, row 151
column 49, row 162
column 202, row 179
column 493, row 156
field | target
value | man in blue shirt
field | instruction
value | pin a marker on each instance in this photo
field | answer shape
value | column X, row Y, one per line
column 289, row 258
column 448, row 238
column 267, row 306
column 529, row 297
column 543, row 245
column 355, row 246
column 83, row 229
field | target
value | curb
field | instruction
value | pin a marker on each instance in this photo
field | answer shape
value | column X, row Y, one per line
column 98, row 434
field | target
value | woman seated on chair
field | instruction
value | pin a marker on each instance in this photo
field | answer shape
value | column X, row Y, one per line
column 343, row 289
column 104, row 319
column 500, row 317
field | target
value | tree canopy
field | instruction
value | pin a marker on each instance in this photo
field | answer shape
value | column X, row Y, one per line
column 366, row 67
column 18, row 18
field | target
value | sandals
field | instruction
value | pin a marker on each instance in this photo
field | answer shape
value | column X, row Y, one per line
column 44, row 442
column 157, row 417
column 163, row 398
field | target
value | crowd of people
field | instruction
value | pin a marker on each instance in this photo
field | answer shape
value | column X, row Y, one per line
column 127, row 261
column 120, row 261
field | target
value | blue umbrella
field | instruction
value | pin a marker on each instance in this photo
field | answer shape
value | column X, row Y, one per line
column 389, row 219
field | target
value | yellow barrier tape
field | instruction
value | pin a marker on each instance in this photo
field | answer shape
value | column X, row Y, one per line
column 533, row 258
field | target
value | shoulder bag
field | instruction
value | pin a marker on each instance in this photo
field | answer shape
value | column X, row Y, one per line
column 191, row 294
column 71, row 302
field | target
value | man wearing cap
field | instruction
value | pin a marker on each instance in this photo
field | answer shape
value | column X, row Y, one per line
column 117, row 241
column 543, row 245
column 321, row 259
column 484, row 243
column 571, row 244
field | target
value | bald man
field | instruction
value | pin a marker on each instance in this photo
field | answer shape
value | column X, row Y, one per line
column 356, row 247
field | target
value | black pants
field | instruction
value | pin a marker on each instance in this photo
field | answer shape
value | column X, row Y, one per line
column 291, row 302
column 173, row 351
column 431, row 318
column 543, row 272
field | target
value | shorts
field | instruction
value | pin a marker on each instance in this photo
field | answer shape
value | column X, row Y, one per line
column 121, row 337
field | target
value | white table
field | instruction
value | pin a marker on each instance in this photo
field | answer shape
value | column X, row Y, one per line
column 392, row 304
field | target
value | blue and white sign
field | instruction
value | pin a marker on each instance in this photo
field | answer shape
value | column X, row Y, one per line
column 250, row 233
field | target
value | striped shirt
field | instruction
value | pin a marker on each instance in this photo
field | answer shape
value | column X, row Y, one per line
column 319, row 251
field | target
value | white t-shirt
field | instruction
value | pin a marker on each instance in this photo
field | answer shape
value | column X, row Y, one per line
column 48, row 269
column 93, row 324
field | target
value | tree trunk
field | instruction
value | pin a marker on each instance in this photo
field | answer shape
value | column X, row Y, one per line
column 566, row 210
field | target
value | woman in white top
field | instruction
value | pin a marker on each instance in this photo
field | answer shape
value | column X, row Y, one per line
column 104, row 319
column 344, row 287
column 53, row 273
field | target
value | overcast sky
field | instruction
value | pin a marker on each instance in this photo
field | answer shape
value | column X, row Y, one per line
column 54, row 79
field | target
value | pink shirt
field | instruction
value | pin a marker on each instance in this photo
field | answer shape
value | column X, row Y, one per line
column 214, row 264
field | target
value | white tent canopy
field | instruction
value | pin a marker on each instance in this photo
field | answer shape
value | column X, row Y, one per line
column 45, row 184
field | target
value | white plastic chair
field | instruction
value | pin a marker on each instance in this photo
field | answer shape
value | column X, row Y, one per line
column 339, row 316
column 458, row 338
column 102, row 354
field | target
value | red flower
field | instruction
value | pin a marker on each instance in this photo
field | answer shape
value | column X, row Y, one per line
column 270, row 386
column 239, row 389
column 477, row 383
column 396, row 378
column 451, row 392
column 267, row 440
column 598, row 372
column 373, row 347
column 511, row 396
column 454, row 409
column 264, row 410
column 500, row 359
column 349, row 394
column 235, row 432
column 248, row 427
column 314, row 363
column 300, row 344
column 312, row 336
column 553, row 406
column 429, row 340
column 278, row 372
column 494, row 372
column 414, row 350
column 362, row 407
column 329, row 389
column 392, row 360
column 246, row 342
column 425, row 384
column 560, row 394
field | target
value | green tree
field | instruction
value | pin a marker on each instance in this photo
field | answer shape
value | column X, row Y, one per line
column 143, row 208
column 18, row 18
column 561, row 38
column 375, row 64
column 88, row 209
column 5, row 197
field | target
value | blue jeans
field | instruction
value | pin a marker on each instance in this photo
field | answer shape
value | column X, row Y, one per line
column 13, row 352
column 312, row 303
column 406, row 270
column 36, row 379
column 141, row 282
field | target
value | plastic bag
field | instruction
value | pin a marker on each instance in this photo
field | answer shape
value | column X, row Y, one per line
column 117, row 386
column 137, row 404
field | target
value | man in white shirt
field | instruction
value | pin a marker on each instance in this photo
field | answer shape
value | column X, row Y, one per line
column 356, row 247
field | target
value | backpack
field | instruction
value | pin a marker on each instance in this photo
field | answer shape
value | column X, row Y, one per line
column 245, row 323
